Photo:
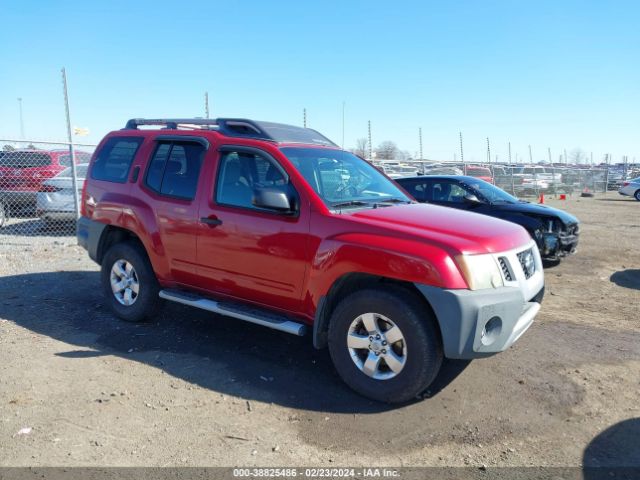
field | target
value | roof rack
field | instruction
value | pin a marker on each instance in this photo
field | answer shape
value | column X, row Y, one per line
column 239, row 127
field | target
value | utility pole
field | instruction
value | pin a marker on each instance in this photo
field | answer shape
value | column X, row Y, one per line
column 74, row 174
column 370, row 144
column 206, row 104
column 488, row 151
column 566, row 160
column 530, row 155
column 591, row 158
column 513, row 185
column 304, row 117
column 549, row 151
column 21, row 121
column 464, row 165
column 420, row 139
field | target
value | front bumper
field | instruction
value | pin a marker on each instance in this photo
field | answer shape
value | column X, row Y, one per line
column 554, row 245
column 480, row 323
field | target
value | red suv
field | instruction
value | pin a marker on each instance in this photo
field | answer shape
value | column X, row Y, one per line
column 22, row 173
column 274, row 224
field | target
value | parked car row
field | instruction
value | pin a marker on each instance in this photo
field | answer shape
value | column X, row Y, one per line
column 25, row 183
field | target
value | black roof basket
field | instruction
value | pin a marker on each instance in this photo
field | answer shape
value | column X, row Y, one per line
column 240, row 127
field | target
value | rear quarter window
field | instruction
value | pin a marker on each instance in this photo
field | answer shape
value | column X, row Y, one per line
column 114, row 160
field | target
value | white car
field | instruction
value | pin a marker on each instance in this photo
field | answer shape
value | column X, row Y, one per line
column 54, row 201
column 631, row 188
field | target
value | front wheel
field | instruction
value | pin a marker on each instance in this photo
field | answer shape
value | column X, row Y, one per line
column 129, row 283
column 385, row 344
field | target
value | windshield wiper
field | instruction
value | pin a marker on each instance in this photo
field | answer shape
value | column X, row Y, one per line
column 350, row 203
column 394, row 200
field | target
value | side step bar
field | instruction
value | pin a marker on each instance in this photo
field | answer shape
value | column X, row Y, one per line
column 241, row 312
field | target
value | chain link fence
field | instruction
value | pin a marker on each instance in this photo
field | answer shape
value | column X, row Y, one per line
column 37, row 194
column 526, row 180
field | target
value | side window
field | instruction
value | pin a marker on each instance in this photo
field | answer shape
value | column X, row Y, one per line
column 418, row 190
column 239, row 173
column 448, row 192
column 174, row 169
column 114, row 159
column 64, row 160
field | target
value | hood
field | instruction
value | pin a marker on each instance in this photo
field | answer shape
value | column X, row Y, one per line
column 453, row 229
column 537, row 209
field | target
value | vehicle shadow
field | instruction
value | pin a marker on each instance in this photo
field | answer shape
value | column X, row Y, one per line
column 550, row 263
column 629, row 278
column 614, row 453
column 622, row 199
column 214, row 352
column 36, row 227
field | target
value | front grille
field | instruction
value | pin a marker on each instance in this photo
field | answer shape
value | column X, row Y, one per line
column 527, row 262
column 506, row 273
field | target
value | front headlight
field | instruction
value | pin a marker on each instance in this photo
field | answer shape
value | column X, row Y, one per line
column 480, row 271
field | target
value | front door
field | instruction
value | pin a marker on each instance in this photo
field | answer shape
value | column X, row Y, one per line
column 244, row 251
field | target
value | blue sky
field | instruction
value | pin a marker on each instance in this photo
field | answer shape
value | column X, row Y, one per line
column 552, row 74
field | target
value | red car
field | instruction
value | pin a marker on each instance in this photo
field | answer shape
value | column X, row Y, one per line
column 22, row 173
column 275, row 225
column 482, row 173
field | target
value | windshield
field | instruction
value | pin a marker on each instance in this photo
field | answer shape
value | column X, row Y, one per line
column 20, row 159
column 81, row 171
column 340, row 178
column 490, row 192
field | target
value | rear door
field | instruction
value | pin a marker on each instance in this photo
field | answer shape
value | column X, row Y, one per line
column 245, row 251
column 169, row 187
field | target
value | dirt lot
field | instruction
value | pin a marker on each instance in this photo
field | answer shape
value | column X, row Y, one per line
column 192, row 389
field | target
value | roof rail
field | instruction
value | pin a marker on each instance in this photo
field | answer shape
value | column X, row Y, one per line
column 240, row 127
column 233, row 127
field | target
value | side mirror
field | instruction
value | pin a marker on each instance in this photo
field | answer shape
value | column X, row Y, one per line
column 471, row 198
column 270, row 198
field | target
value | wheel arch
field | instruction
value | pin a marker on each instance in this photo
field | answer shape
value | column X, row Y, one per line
column 348, row 284
column 110, row 236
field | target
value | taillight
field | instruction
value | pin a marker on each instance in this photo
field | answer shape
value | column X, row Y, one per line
column 49, row 188
column 624, row 184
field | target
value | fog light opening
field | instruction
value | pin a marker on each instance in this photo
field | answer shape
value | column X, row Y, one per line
column 491, row 331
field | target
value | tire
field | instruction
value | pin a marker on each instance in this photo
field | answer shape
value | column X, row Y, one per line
column 421, row 338
column 637, row 195
column 144, row 304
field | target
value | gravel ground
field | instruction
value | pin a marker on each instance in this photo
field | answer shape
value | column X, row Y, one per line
column 78, row 387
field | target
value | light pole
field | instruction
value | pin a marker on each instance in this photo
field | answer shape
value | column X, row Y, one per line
column 21, row 121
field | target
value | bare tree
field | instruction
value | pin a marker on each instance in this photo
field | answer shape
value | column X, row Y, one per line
column 362, row 147
column 387, row 150
column 577, row 155
column 8, row 148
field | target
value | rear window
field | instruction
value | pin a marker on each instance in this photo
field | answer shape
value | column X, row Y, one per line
column 24, row 159
column 81, row 171
column 114, row 160
column 81, row 157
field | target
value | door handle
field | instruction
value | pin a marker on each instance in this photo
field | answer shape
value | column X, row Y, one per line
column 212, row 222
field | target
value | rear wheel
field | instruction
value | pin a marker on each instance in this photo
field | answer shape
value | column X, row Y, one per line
column 385, row 344
column 129, row 283
column 637, row 195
